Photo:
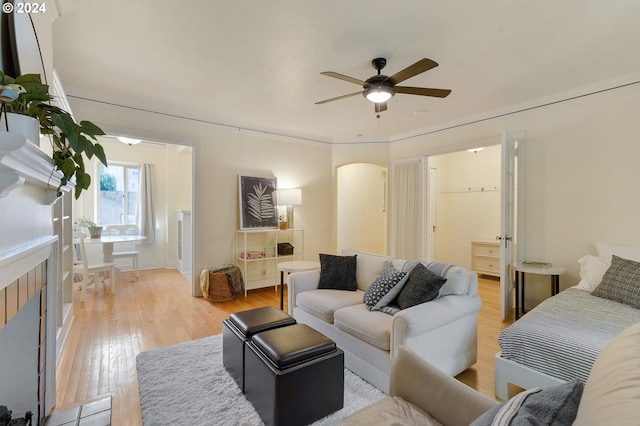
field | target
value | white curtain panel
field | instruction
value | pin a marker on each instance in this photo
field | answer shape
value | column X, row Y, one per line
column 146, row 210
column 406, row 210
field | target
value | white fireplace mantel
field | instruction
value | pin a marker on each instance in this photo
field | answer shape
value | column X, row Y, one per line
column 22, row 161
column 36, row 225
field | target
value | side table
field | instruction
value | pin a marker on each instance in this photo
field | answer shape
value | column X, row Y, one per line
column 290, row 267
column 554, row 272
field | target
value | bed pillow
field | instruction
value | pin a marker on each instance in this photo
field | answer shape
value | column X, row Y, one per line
column 381, row 286
column 607, row 250
column 557, row 405
column 337, row 272
column 592, row 269
column 621, row 282
column 421, row 286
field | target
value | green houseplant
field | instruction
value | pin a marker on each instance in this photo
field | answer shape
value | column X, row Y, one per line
column 70, row 141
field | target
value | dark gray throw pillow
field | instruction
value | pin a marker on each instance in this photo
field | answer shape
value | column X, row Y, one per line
column 421, row 286
column 621, row 282
column 554, row 406
column 386, row 281
column 337, row 272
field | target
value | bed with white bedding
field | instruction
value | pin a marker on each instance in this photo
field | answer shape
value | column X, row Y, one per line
column 559, row 340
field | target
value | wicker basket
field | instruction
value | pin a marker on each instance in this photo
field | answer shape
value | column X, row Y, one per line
column 219, row 287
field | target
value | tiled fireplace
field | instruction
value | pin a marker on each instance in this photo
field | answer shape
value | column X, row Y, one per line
column 23, row 339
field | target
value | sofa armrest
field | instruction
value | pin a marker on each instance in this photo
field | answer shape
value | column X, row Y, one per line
column 299, row 282
column 425, row 317
column 446, row 399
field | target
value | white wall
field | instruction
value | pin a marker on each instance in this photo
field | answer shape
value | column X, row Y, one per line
column 465, row 215
column 343, row 154
column 220, row 155
column 582, row 173
column 361, row 198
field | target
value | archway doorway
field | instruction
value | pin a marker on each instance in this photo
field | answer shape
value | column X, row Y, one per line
column 362, row 207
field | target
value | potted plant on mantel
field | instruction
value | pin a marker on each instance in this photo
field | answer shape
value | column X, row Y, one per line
column 69, row 140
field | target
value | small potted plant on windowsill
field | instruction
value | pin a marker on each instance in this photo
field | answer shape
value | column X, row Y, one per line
column 69, row 140
column 95, row 231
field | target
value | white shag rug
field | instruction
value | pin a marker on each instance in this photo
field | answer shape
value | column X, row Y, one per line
column 186, row 384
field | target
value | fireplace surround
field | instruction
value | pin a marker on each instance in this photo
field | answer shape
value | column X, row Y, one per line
column 33, row 251
column 23, row 339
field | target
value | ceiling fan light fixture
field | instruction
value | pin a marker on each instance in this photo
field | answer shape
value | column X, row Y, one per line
column 379, row 94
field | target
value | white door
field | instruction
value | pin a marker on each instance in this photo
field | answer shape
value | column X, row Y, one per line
column 512, row 178
column 432, row 214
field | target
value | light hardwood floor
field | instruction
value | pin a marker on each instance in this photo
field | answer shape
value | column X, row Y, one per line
column 156, row 309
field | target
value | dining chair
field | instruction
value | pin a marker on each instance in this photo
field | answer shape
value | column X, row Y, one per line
column 83, row 265
column 125, row 250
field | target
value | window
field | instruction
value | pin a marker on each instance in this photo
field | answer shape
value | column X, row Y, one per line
column 119, row 189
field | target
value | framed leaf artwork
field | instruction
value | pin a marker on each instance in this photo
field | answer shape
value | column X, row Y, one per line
column 257, row 202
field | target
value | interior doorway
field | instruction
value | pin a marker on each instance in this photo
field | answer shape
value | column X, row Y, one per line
column 361, row 207
column 463, row 198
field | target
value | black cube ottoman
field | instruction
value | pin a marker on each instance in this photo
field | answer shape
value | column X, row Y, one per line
column 238, row 329
column 294, row 375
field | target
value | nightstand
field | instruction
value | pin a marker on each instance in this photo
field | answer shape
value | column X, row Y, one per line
column 553, row 271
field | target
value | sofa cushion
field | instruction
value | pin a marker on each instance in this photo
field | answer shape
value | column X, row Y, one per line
column 323, row 303
column 390, row 411
column 556, row 405
column 458, row 278
column 370, row 326
column 368, row 266
column 381, row 286
column 384, row 303
column 621, row 282
column 421, row 286
column 337, row 272
column 612, row 390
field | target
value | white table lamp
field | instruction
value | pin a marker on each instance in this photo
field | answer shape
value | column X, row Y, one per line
column 290, row 197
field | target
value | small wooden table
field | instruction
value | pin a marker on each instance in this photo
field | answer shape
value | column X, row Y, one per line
column 291, row 267
column 553, row 271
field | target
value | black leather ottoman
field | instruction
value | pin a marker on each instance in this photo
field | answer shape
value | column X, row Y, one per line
column 294, row 375
column 238, row 329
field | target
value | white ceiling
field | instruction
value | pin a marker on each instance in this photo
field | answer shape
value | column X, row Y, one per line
column 256, row 64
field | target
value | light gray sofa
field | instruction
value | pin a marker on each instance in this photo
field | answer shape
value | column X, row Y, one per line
column 442, row 331
column 420, row 394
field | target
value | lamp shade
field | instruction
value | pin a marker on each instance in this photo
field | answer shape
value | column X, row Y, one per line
column 290, row 197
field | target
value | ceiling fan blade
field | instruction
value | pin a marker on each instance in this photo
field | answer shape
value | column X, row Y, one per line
column 338, row 98
column 343, row 77
column 423, row 91
column 381, row 107
column 419, row 67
